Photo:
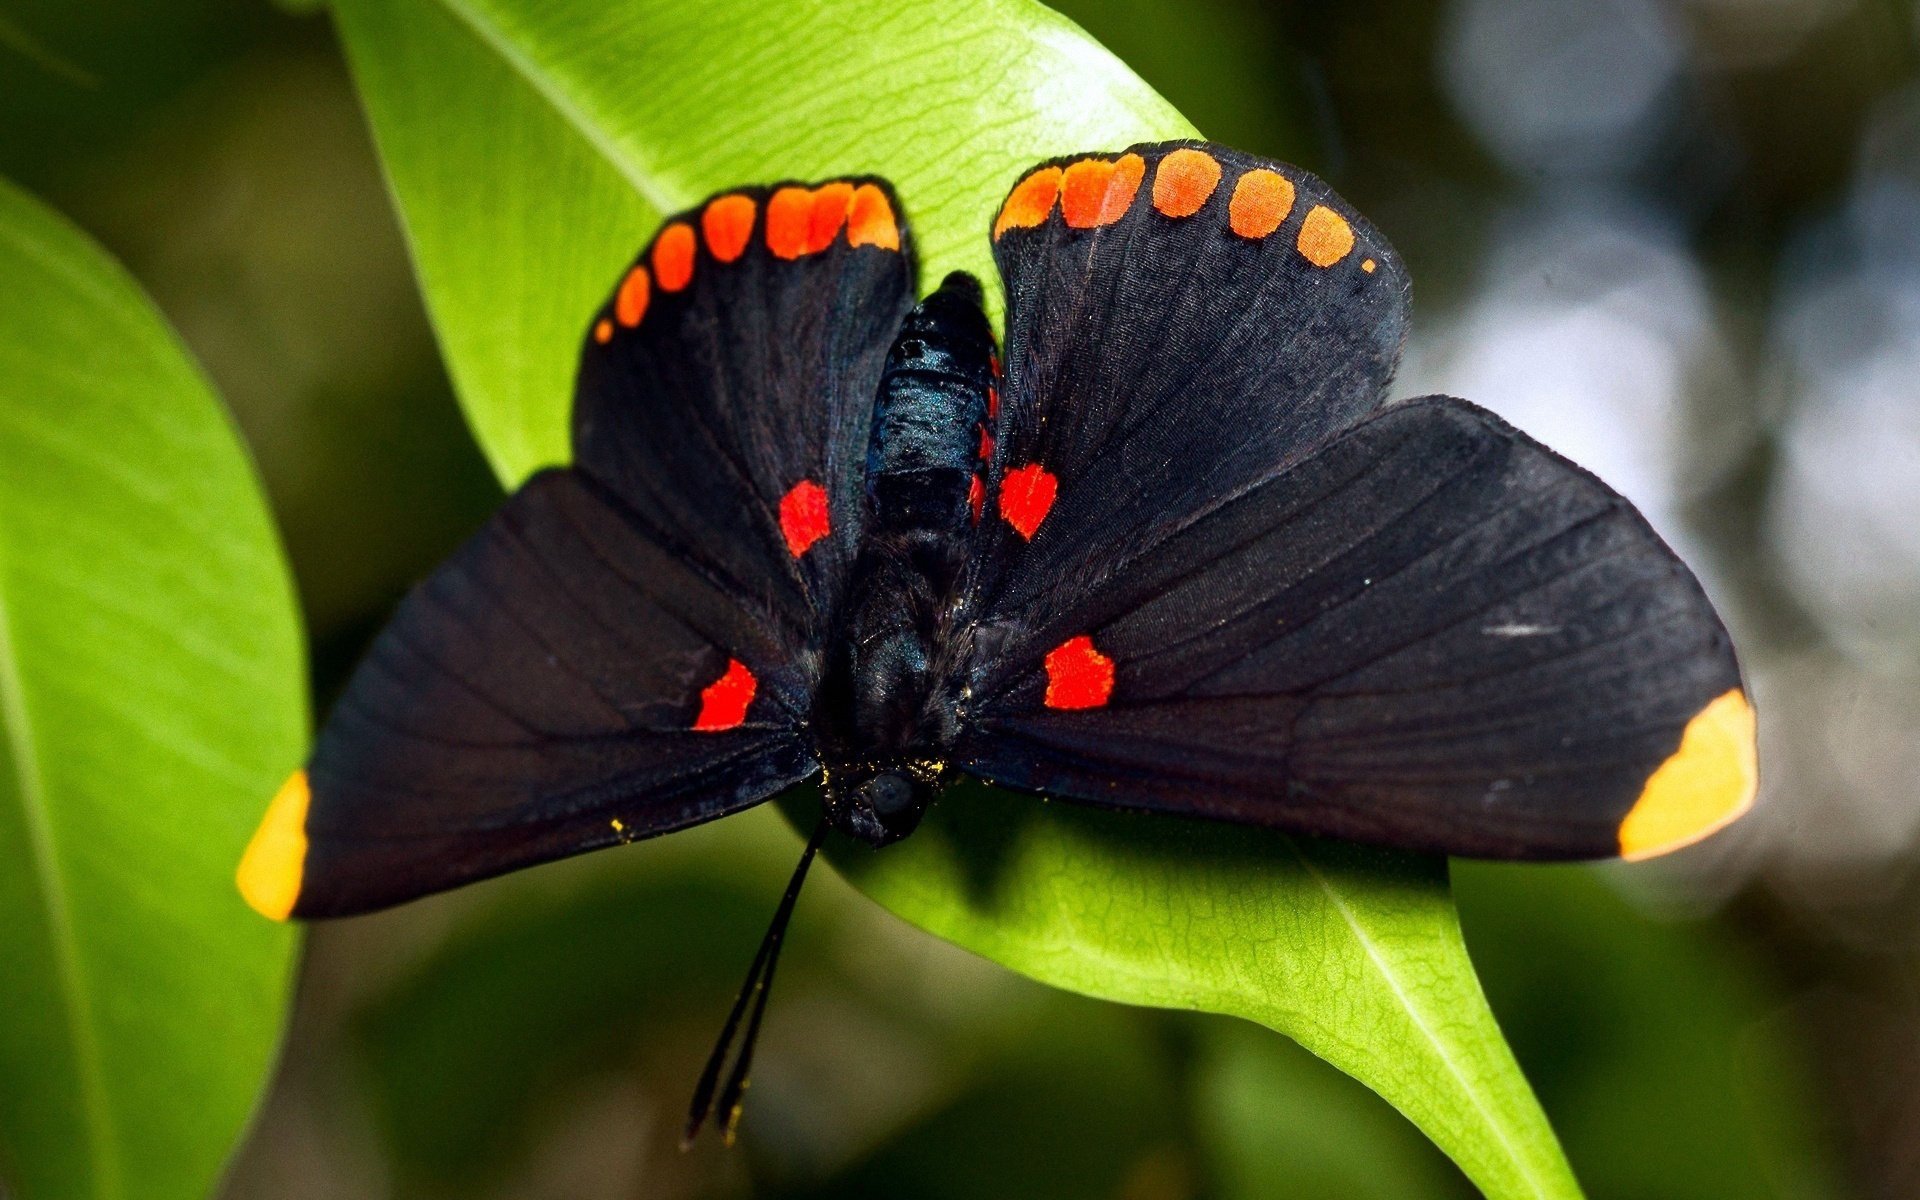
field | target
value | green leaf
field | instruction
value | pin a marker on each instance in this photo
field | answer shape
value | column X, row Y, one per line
column 151, row 696
column 1685, row 1052
column 1354, row 953
column 533, row 147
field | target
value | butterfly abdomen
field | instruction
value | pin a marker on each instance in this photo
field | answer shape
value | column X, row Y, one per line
column 930, row 419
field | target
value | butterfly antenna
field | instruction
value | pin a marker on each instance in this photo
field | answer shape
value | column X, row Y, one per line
column 753, row 993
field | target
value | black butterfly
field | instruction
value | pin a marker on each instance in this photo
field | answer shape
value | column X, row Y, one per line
column 1178, row 559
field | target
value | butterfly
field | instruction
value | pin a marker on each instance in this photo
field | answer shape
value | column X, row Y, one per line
column 1167, row 552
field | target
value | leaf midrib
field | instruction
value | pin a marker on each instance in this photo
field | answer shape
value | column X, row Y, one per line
column 551, row 90
column 76, row 999
column 1415, row 1013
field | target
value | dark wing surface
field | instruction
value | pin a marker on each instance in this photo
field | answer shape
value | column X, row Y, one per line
column 631, row 645
column 1181, row 319
column 1412, row 626
column 727, row 387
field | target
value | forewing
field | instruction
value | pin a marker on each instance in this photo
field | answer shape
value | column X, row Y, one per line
column 1432, row 633
column 629, row 646
column 562, row 683
column 727, row 385
column 1182, row 320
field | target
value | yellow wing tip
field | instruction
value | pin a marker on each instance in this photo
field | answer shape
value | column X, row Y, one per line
column 1702, row 787
column 271, row 869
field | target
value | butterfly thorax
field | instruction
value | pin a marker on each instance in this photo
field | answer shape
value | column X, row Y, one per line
column 886, row 717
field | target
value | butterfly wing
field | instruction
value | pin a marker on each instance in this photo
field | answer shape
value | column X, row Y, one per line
column 1181, row 319
column 726, row 389
column 1412, row 626
column 631, row 645
column 562, row 683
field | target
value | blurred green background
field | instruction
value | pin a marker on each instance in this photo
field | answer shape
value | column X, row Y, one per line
column 1678, row 241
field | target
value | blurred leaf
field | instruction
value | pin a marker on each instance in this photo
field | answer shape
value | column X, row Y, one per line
column 151, row 692
column 533, row 147
column 73, row 74
column 610, row 975
column 481, row 1040
column 1282, row 1125
column 1681, row 1051
column 254, row 213
column 1079, row 1107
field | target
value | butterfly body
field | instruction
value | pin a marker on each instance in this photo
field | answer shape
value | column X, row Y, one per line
column 889, row 707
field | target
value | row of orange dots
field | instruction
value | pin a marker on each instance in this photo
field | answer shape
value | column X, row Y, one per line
column 800, row 221
column 1095, row 191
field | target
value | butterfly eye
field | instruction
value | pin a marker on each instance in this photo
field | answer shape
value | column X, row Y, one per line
column 889, row 794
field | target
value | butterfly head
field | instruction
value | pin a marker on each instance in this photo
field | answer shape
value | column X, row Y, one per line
column 880, row 803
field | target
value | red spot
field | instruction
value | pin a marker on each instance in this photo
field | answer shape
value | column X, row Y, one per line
column 728, row 224
column 1078, row 676
column 723, row 703
column 993, row 360
column 673, row 257
column 976, row 498
column 789, row 212
column 993, row 396
column 803, row 516
column 831, row 204
column 631, row 302
column 871, row 221
column 1095, row 192
column 1030, row 203
column 1025, row 496
column 603, row 331
column 986, row 444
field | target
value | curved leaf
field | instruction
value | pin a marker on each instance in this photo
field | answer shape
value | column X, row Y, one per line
column 532, row 147
column 1354, row 953
column 151, row 690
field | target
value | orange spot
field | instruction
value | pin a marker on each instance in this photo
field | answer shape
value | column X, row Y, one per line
column 673, row 256
column 1025, row 496
column 1078, row 676
column 831, row 204
column 276, row 858
column 1184, row 181
column 1094, row 192
column 1261, row 200
column 603, row 331
column 723, row 703
column 1030, row 202
column 728, row 226
column 1325, row 236
column 1367, row 266
column 976, row 498
column 1702, row 786
column 789, row 213
column 986, row 444
column 871, row 221
column 803, row 516
column 631, row 303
